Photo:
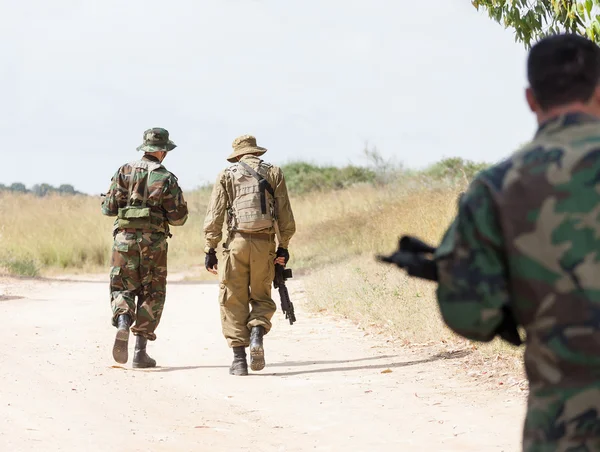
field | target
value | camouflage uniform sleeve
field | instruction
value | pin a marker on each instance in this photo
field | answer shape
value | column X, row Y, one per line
column 285, row 216
column 173, row 203
column 114, row 197
column 215, row 213
column 472, row 274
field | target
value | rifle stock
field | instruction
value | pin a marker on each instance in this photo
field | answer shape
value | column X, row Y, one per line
column 411, row 256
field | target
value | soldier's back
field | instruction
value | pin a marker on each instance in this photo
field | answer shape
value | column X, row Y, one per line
column 149, row 178
column 547, row 199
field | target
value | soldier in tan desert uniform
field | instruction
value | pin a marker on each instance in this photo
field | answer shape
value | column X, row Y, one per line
column 252, row 194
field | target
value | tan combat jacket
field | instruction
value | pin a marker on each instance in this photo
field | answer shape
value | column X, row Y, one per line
column 222, row 198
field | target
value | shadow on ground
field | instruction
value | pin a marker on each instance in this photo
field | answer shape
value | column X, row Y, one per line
column 9, row 298
column 438, row 356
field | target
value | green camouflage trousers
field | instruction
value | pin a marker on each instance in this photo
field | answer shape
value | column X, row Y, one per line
column 139, row 268
column 563, row 420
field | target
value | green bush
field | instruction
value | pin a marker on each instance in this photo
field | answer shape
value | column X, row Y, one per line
column 302, row 177
column 20, row 266
column 454, row 168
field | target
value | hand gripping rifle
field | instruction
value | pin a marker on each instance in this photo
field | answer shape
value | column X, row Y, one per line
column 411, row 255
column 281, row 275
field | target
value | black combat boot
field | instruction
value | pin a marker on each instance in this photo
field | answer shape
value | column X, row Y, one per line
column 140, row 357
column 122, row 339
column 239, row 366
column 257, row 351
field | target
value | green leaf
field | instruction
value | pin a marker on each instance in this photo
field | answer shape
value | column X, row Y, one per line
column 596, row 27
column 532, row 20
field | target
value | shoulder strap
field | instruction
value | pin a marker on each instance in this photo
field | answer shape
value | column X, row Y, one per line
column 263, row 184
column 131, row 175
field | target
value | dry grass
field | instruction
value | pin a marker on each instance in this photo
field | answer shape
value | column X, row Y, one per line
column 336, row 225
column 382, row 298
column 70, row 233
column 338, row 235
column 63, row 232
column 378, row 296
column 337, row 239
column 45, row 235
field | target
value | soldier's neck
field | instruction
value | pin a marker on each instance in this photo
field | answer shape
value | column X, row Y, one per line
column 152, row 158
column 576, row 107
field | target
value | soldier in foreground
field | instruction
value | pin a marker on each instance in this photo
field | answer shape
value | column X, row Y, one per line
column 525, row 248
column 146, row 199
column 254, row 196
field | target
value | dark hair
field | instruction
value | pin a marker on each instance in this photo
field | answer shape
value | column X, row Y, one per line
column 562, row 69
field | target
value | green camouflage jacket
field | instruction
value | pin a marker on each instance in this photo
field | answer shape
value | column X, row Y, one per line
column 164, row 196
column 527, row 235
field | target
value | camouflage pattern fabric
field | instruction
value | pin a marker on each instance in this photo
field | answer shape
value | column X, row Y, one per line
column 139, row 268
column 156, row 140
column 222, row 197
column 527, row 235
column 165, row 197
column 139, row 258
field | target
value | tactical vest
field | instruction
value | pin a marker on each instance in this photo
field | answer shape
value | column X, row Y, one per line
column 140, row 216
column 253, row 206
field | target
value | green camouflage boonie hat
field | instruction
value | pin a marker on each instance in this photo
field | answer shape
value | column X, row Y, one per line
column 245, row 144
column 156, row 140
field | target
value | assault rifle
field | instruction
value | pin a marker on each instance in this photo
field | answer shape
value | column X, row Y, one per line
column 411, row 255
column 281, row 275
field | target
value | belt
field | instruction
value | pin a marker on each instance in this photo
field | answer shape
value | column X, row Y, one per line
column 135, row 231
column 253, row 235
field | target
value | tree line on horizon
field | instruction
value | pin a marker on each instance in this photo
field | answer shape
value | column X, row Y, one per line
column 304, row 177
column 40, row 190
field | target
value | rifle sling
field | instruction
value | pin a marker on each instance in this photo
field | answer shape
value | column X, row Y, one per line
column 263, row 184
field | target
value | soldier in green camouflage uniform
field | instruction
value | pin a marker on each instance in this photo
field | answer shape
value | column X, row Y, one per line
column 146, row 199
column 527, row 235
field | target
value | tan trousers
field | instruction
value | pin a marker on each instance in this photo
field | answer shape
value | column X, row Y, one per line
column 246, row 272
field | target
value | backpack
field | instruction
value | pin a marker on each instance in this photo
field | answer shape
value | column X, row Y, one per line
column 253, row 205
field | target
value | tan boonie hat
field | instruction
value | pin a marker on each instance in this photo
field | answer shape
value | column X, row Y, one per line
column 245, row 144
column 156, row 140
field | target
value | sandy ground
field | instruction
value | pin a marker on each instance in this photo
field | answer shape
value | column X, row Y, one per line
column 327, row 386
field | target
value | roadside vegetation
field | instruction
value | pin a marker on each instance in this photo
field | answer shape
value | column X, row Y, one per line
column 344, row 217
column 341, row 212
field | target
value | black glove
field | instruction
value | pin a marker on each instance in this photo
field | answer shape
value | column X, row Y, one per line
column 283, row 252
column 210, row 260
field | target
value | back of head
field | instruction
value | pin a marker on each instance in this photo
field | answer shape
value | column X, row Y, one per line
column 562, row 70
column 547, row 193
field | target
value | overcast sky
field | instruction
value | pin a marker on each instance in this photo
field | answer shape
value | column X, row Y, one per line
column 311, row 79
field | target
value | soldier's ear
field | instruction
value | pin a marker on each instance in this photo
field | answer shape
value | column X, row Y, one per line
column 531, row 101
column 596, row 97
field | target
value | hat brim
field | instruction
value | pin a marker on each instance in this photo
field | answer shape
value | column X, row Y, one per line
column 157, row 147
column 247, row 150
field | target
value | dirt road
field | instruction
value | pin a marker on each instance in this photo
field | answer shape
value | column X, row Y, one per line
column 326, row 386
